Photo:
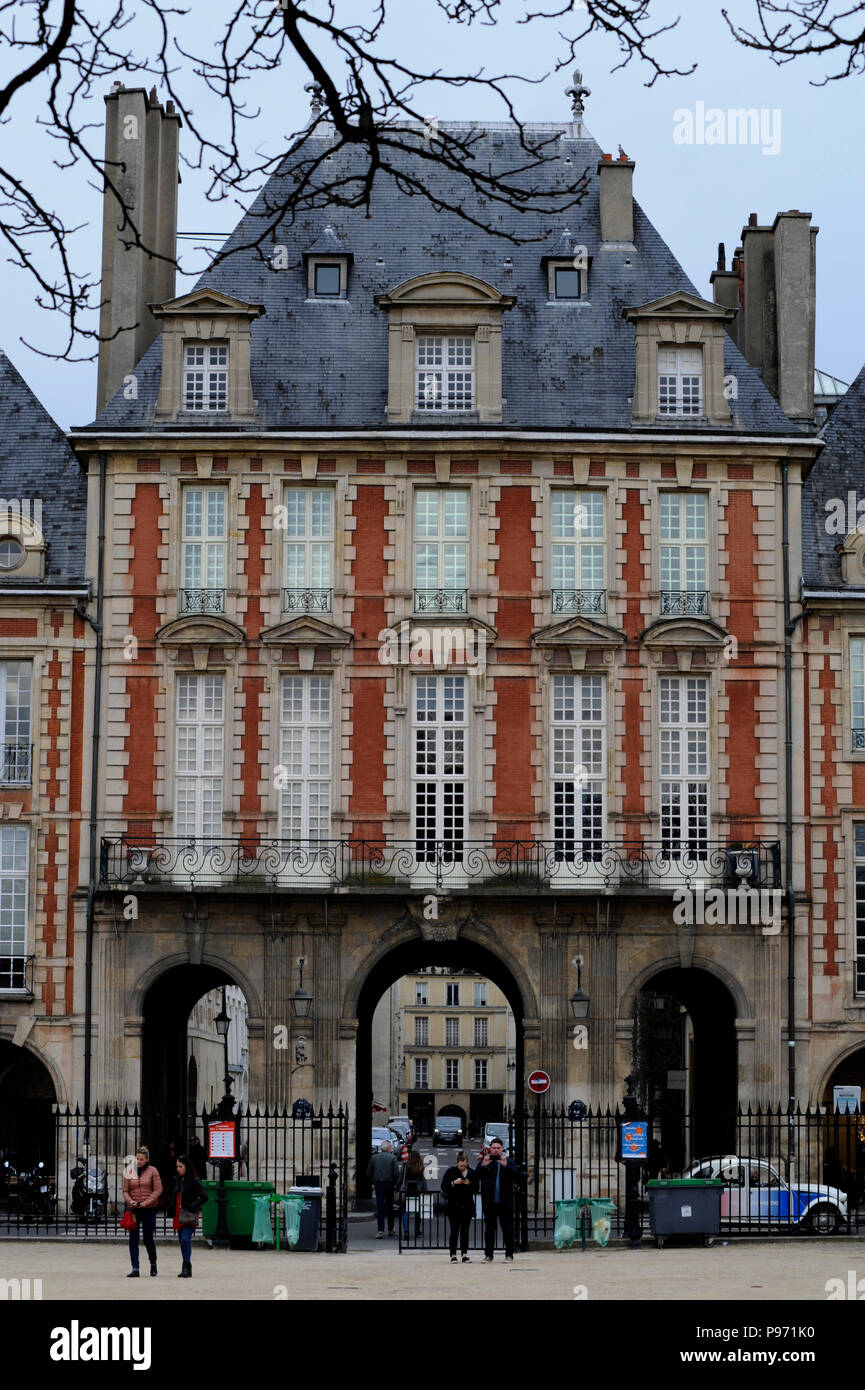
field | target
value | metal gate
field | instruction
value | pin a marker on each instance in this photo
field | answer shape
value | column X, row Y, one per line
column 274, row 1147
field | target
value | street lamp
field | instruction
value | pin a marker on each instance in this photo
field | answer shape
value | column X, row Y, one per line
column 301, row 1001
column 224, row 1111
column 579, row 998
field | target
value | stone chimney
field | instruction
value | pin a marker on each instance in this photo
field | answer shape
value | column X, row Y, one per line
column 141, row 154
column 725, row 289
column 616, row 194
column 775, row 276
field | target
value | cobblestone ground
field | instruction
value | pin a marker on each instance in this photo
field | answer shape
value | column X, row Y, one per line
column 795, row 1270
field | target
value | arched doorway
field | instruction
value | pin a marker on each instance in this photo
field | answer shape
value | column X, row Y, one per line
column 27, row 1095
column 844, row 1126
column 404, row 959
column 685, row 1063
column 170, row 1086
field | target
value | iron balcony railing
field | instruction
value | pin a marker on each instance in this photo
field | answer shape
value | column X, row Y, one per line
column 595, row 866
column 307, row 600
column 579, row 600
column 16, row 973
column 685, row 601
column 202, row 600
column 858, row 740
column 441, row 600
column 17, row 763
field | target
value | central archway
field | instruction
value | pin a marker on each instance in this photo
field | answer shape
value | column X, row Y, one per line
column 409, row 956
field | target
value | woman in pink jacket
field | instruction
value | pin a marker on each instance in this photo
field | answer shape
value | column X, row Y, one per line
column 142, row 1189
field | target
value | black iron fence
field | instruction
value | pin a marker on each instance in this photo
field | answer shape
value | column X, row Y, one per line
column 64, row 1174
column 571, row 863
column 783, row 1174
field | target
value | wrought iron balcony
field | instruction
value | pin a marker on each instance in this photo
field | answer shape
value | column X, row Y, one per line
column 17, row 763
column 202, row 600
column 858, row 740
column 16, row 973
column 505, row 865
column 685, row 601
column 441, row 600
column 307, row 600
column 579, row 600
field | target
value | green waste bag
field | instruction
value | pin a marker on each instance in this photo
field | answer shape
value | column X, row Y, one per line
column 567, row 1224
column 292, row 1206
column 262, row 1230
column 601, row 1225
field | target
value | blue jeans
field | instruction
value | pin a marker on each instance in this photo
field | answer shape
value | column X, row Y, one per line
column 384, row 1205
column 145, row 1224
column 184, row 1235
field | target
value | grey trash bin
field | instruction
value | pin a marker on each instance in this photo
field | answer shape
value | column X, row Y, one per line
column 310, row 1217
column 685, row 1207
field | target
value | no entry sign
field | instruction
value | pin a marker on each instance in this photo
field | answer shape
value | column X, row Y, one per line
column 539, row 1082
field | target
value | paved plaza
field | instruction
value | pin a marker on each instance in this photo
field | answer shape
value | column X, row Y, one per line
column 792, row 1270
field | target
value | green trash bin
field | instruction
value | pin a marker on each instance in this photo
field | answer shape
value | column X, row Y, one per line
column 239, row 1211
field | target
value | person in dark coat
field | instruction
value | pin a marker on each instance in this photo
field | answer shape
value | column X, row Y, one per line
column 186, row 1192
column 459, row 1186
column 497, row 1177
column 383, row 1173
column 413, row 1186
column 198, row 1157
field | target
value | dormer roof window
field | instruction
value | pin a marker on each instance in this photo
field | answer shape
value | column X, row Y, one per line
column 205, row 356
column 679, row 360
column 327, row 265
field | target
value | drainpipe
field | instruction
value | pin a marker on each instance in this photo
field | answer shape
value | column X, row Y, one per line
column 789, row 626
column 94, row 796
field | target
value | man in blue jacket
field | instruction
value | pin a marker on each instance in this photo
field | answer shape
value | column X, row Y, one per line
column 497, row 1177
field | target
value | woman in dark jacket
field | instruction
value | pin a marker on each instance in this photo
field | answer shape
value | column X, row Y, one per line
column 187, row 1193
column 459, row 1186
column 413, row 1186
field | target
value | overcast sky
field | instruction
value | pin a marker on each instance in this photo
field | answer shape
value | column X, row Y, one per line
column 695, row 194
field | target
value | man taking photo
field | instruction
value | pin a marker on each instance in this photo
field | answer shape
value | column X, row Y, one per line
column 497, row 1177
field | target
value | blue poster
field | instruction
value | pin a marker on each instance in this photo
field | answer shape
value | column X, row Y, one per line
column 635, row 1139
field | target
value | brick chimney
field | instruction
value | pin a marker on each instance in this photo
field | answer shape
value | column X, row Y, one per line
column 775, row 271
column 616, row 194
column 141, row 153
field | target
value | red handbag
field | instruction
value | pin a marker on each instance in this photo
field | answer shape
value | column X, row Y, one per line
column 127, row 1221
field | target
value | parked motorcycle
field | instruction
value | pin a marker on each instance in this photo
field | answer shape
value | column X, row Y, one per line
column 90, row 1190
column 37, row 1195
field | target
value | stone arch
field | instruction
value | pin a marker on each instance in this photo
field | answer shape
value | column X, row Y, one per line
column 48, row 1062
column 405, row 931
column 628, row 998
column 848, row 1049
column 139, row 990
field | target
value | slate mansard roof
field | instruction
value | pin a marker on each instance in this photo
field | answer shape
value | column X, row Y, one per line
column 37, row 464
column 839, row 470
column 323, row 365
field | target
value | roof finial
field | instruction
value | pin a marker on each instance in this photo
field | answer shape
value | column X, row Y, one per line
column 576, row 93
column 315, row 90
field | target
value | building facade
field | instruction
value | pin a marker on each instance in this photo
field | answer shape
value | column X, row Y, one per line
column 445, row 588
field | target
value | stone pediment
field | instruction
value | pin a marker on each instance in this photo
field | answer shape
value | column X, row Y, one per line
column 680, row 305
column 684, row 636
column 578, row 631
column 305, row 631
column 445, row 287
column 201, row 630
column 207, row 301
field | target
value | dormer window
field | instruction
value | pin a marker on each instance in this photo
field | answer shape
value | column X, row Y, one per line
column 680, row 381
column 444, row 349
column 445, row 373
column 567, row 282
column 205, row 376
column 328, row 279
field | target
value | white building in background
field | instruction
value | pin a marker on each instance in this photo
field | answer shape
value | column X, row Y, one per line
column 206, row 1054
